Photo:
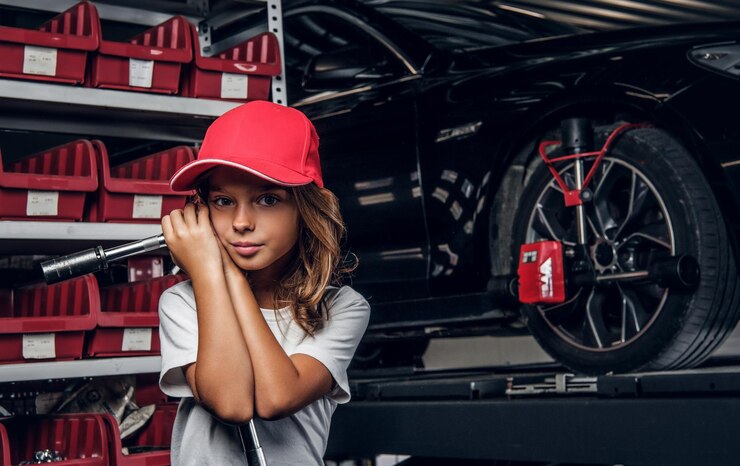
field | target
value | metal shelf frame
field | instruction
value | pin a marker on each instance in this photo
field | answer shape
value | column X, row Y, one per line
column 82, row 368
column 29, row 237
column 112, row 100
column 66, row 109
column 35, row 106
column 157, row 11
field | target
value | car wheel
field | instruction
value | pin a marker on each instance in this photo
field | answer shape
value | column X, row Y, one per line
column 650, row 200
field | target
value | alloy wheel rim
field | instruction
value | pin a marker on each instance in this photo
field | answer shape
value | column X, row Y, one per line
column 627, row 218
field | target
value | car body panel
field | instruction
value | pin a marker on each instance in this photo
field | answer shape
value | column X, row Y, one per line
column 368, row 149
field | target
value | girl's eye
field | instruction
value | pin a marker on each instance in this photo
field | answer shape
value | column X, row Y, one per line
column 269, row 200
column 221, row 201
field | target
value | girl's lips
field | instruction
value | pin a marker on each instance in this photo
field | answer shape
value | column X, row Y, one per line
column 247, row 249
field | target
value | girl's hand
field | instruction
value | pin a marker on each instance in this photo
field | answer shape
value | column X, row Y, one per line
column 230, row 267
column 191, row 240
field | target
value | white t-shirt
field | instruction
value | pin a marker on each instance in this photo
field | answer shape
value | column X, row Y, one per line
column 198, row 438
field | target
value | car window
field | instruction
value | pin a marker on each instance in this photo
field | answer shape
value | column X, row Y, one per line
column 311, row 36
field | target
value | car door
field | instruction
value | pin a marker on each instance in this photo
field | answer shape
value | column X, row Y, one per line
column 360, row 95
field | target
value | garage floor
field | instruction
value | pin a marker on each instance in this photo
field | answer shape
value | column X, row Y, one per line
column 446, row 353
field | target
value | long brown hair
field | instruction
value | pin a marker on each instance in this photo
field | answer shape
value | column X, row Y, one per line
column 318, row 260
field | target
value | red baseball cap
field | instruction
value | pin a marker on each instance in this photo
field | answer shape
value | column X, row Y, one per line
column 274, row 142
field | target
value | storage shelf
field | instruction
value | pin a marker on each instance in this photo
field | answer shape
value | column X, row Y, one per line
column 33, row 237
column 81, row 368
column 30, row 105
column 108, row 99
column 47, row 110
column 145, row 12
column 156, row 11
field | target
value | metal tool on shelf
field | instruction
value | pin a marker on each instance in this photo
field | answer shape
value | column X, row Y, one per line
column 96, row 259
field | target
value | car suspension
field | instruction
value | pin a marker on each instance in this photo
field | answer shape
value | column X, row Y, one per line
column 547, row 269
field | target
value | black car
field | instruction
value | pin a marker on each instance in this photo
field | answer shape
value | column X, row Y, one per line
column 432, row 118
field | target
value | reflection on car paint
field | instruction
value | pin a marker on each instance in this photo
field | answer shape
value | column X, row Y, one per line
column 410, row 253
column 373, row 199
column 459, row 131
column 449, row 175
column 440, row 194
column 373, row 184
column 467, row 188
column 456, row 210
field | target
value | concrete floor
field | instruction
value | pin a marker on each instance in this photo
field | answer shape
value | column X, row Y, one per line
column 445, row 353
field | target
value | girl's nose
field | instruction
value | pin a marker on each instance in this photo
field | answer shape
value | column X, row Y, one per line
column 243, row 220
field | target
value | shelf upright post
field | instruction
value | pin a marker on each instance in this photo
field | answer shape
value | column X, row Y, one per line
column 275, row 25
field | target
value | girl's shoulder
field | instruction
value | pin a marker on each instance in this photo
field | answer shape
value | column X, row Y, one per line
column 183, row 289
column 345, row 297
column 178, row 294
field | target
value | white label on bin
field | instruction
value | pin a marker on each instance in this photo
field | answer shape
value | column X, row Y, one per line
column 39, row 60
column 42, row 203
column 147, row 206
column 137, row 339
column 140, row 72
column 233, row 86
column 39, row 346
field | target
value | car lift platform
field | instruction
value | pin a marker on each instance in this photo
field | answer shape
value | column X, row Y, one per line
column 688, row 417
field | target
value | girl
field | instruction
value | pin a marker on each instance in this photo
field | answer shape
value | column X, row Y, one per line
column 258, row 332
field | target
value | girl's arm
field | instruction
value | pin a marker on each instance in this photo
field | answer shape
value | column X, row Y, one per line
column 283, row 384
column 221, row 378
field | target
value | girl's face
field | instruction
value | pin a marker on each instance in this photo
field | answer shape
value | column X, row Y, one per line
column 256, row 221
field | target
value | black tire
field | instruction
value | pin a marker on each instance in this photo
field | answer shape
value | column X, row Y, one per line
column 672, row 211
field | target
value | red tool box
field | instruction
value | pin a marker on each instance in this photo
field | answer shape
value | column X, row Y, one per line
column 47, row 322
column 241, row 73
column 56, row 51
column 541, row 275
column 150, row 61
column 128, row 322
column 81, row 439
column 50, row 185
column 138, row 191
column 156, row 433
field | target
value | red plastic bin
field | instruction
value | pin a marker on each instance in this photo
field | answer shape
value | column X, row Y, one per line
column 147, row 391
column 49, row 185
column 47, row 322
column 150, row 62
column 79, row 438
column 127, row 324
column 156, row 433
column 138, row 191
column 56, row 51
column 241, row 73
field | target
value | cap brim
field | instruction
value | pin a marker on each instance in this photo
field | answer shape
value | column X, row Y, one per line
column 186, row 177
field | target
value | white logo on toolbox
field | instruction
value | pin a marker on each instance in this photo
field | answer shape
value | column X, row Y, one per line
column 546, row 278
